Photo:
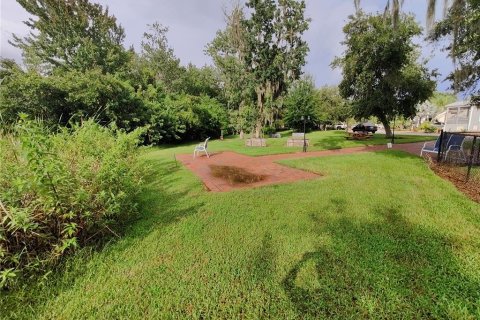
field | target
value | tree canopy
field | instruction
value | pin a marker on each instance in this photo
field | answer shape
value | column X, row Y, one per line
column 275, row 50
column 381, row 75
column 72, row 35
column 302, row 105
column 461, row 28
column 260, row 55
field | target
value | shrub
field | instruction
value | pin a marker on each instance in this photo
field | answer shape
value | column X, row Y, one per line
column 268, row 130
column 428, row 127
column 61, row 191
column 71, row 96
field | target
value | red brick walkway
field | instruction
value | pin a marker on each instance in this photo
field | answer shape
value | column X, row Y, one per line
column 266, row 165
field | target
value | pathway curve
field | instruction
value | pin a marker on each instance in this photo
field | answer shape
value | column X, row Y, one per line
column 266, row 165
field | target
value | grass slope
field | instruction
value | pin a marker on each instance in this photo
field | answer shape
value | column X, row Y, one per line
column 378, row 236
column 319, row 140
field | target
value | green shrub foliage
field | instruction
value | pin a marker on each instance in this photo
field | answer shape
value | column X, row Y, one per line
column 61, row 191
column 71, row 97
column 428, row 127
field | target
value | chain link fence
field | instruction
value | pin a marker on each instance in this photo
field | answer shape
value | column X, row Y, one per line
column 459, row 156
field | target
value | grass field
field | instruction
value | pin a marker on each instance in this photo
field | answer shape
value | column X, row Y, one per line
column 377, row 236
column 319, row 140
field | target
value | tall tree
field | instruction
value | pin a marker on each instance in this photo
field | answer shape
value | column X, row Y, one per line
column 158, row 57
column 381, row 75
column 302, row 101
column 275, row 50
column 228, row 52
column 332, row 106
column 72, row 35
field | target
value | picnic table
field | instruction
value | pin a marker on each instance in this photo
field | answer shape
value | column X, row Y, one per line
column 358, row 135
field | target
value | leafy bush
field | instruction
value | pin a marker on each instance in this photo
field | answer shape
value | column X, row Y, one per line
column 185, row 117
column 268, row 130
column 71, row 96
column 428, row 127
column 61, row 191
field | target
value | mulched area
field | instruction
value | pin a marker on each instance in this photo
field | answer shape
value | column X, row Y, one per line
column 457, row 176
column 226, row 171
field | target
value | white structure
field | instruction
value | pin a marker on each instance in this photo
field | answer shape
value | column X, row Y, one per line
column 425, row 112
column 462, row 116
column 440, row 118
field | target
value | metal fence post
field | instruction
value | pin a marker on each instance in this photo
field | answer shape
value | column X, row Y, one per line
column 439, row 156
column 478, row 154
column 470, row 163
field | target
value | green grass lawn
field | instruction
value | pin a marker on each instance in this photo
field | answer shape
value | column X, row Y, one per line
column 377, row 236
column 319, row 140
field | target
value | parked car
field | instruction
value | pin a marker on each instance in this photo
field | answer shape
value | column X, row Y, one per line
column 340, row 126
column 366, row 127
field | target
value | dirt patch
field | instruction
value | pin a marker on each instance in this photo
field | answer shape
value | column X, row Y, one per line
column 457, row 177
column 235, row 175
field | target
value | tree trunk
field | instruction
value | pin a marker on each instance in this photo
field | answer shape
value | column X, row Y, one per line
column 260, row 104
column 388, row 130
column 258, row 129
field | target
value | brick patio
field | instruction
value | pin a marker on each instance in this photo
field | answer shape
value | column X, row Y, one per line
column 266, row 165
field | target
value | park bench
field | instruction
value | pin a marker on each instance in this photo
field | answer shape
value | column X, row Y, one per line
column 297, row 140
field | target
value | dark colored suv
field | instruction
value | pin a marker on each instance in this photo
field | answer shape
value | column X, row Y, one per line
column 365, row 127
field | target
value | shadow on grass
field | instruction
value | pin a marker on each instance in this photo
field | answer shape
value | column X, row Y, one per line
column 398, row 154
column 263, row 260
column 330, row 143
column 160, row 204
column 382, row 269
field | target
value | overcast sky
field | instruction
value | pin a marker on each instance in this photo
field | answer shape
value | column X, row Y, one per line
column 193, row 23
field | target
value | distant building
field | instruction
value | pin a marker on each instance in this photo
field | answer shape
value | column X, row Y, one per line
column 425, row 113
column 462, row 116
column 440, row 118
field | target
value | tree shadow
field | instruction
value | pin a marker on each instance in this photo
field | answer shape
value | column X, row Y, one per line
column 397, row 154
column 160, row 204
column 382, row 269
column 330, row 143
column 263, row 261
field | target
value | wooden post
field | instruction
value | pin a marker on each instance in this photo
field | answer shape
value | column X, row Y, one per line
column 470, row 163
